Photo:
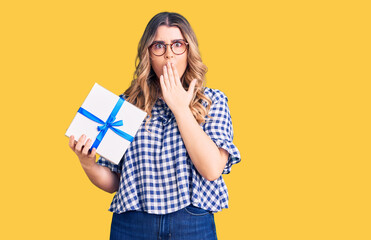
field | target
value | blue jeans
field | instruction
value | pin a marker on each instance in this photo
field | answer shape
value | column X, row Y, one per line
column 189, row 223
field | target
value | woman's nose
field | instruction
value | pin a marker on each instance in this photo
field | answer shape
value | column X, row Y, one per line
column 169, row 53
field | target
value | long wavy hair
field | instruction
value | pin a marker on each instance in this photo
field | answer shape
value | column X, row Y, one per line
column 145, row 87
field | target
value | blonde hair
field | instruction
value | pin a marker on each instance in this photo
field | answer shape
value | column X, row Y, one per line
column 145, row 87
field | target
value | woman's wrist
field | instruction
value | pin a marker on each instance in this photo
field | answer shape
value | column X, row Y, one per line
column 181, row 113
column 89, row 166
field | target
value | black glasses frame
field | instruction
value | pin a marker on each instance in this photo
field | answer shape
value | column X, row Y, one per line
column 171, row 47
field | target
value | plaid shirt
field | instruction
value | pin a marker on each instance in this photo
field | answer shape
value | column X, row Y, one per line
column 157, row 174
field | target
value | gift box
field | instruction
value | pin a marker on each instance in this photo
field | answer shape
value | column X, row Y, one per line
column 108, row 120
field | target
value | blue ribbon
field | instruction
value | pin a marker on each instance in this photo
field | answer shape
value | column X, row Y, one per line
column 109, row 124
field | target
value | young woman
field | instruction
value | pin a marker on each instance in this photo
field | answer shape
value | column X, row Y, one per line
column 169, row 183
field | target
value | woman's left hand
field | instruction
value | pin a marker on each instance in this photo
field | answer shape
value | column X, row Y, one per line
column 173, row 93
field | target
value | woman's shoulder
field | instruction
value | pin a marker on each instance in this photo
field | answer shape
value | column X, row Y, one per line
column 215, row 94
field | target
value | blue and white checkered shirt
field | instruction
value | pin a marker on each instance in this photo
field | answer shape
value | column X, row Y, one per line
column 157, row 174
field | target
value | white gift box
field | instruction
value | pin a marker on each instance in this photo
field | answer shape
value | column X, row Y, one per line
column 114, row 137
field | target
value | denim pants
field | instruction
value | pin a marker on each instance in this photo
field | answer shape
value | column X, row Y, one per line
column 189, row 223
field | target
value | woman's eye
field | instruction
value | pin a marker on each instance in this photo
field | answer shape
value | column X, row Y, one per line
column 178, row 44
column 158, row 45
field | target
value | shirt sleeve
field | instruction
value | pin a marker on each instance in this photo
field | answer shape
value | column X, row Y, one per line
column 114, row 167
column 219, row 128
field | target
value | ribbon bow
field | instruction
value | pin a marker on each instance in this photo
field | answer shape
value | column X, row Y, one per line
column 110, row 124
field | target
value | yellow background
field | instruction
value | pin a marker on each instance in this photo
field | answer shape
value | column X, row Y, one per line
column 297, row 75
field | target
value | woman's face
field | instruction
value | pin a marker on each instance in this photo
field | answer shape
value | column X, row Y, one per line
column 167, row 35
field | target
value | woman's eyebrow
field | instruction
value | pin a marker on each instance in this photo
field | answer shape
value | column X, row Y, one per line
column 171, row 41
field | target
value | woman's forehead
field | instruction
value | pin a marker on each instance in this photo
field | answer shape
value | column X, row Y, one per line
column 174, row 40
column 168, row 34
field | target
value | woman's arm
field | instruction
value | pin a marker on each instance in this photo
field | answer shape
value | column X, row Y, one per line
column 103, row 177
column 208, row 159
column 100, row 176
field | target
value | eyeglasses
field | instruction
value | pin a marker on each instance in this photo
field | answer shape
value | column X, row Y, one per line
column 178, row 47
